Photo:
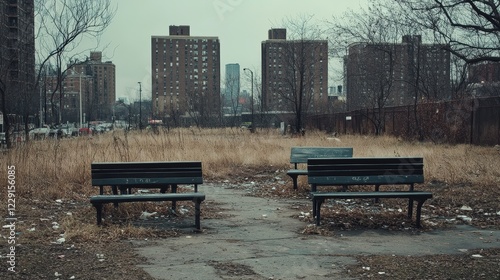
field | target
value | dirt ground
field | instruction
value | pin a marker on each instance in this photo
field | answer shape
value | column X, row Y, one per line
column 88, row 252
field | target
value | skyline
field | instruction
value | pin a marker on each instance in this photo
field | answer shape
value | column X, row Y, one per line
column 240, row 25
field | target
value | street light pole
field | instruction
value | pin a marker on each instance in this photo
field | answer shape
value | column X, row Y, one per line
column 81, row 118
column 140, row 106
column 251, row 74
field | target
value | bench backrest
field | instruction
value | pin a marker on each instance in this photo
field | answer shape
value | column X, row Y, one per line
column 358, row 171
column 146, row 173
column 301, row 154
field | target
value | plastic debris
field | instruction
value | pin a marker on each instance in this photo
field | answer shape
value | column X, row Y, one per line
column 465, row 208
column 464, row 218
column 146, row 215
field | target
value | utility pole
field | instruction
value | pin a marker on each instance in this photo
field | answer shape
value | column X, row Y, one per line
column 140, row 106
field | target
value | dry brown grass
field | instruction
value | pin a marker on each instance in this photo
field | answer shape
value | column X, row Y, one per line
column 52, row 169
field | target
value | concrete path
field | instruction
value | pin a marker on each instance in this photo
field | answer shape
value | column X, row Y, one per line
column 260, row 240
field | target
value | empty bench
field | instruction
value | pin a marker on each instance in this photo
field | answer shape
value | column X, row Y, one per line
column 122, row 177
column 367, row 171
column 299, row 155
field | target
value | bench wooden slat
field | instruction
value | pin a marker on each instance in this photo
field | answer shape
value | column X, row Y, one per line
column 388, row 194
column 365, row 171
column 146, row 197
column 146, row 173
column 301, row 154
column 359, row 179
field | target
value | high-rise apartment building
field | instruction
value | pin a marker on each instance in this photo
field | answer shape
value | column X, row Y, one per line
column 231, row 96
column 98, row 85
column 185, row 77
column 17, row 58
column 88, row 92
column 294, row 73
column 381, row 75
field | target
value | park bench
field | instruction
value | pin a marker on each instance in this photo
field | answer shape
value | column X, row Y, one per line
column 122, row 177
column 299, row 155
column 367, row 171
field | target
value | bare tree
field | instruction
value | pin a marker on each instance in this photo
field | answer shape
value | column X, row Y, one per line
column 62, row 26
column 302, row 71
column 372, row 72
column 470, row 28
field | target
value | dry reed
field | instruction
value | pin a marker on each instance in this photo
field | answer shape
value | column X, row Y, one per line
column 60, row 169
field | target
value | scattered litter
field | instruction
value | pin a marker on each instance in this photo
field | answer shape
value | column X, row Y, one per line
column 264, row 215
column 463, row 250
column 57, row 274
column 366, row 268
column 31, row 229
column 465, row 208
column 59, row 201
column 381, row 272
column 72, row 277
column 464, row 218
column 69, row 213
column 477, row 256
column 60, row 240
column 146, row 215
column 100, row 257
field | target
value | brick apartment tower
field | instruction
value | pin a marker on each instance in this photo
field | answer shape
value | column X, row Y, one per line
column 185, row 78
column 17, row 58
column 396, row 72
column 98, row 87
column 278, row 67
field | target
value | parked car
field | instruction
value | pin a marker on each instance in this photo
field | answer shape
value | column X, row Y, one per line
column 39, row 132
column 85, row 131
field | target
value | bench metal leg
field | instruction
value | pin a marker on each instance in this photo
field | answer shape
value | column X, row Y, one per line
column 317, row 209
column 164, row 189
column 197, row 214
column 114, row 190
column 410, row 208
column 419, row 211
column 294, row 179
column 98, row 208
column 174, row 202
column 377, row 188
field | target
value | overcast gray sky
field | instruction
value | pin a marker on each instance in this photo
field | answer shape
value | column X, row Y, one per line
column 241, row 26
